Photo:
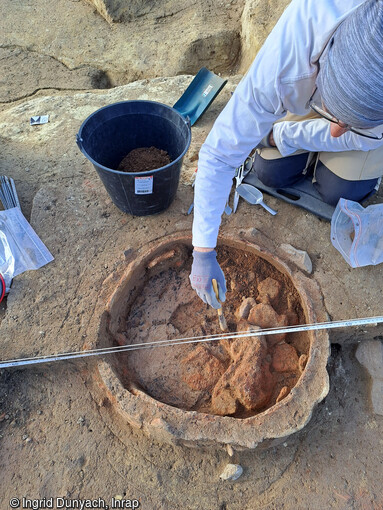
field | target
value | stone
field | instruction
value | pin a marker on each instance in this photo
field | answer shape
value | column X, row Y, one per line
column 231, row 472
column 285, row 358
column 229, row 450
column 109, row 10
column 258, row 20
column 299, row 257
column 370, row 355
column 157, row 45
column 45, row 72
column 264, row 316
column 269, row 291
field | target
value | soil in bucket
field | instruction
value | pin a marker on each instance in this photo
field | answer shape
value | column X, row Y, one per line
column 236, row 377
column 144, row 159
column 110, row 133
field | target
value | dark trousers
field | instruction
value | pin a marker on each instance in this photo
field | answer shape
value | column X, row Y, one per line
column 285, row 172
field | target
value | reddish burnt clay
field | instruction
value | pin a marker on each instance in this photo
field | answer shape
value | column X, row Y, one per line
column 261, row 389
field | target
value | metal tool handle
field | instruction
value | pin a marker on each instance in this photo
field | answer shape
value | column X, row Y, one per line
column 265, row 206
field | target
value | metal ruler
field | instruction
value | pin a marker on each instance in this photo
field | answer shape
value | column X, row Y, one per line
column 369, row 321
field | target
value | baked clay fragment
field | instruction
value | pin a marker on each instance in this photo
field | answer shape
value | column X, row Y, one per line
column 283, row 393
column 245, row 307
column 292, row 318
column 237, row 347
column 242, row 325
column 285, row 358
column 201, row 369
column 264, row 316
column 269, row 291
column 302, row 362
column 248, row 381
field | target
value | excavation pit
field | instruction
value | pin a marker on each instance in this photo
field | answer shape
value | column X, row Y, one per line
column 245, row 392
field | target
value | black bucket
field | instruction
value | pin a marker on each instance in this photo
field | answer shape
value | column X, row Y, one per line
column 110, row 133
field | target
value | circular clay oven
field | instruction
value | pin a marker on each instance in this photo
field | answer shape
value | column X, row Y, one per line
column 244, row 392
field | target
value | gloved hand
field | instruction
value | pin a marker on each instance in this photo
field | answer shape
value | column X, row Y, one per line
column 204, row 268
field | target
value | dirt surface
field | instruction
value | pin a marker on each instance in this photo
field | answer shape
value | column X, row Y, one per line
column 236, row 377
column 55, row 439
column 44, row 72
column 144, row 159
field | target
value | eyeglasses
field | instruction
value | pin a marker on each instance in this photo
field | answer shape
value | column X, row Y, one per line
column 320, row 111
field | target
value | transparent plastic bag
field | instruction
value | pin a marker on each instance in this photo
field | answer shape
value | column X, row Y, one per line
column 357, row 232
column 20, row 247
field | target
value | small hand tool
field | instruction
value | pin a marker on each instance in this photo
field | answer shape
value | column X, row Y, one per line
column 240, row 174
column 254, row 196
column 221, row 317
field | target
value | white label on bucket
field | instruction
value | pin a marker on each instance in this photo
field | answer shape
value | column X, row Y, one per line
column 207, row 90
column 143, row 185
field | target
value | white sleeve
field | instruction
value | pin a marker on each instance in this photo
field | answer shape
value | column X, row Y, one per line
column 314, row 135
column 245, row 120
column 281, row 78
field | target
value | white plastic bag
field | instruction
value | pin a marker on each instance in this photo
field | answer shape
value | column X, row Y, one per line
column 20, row 247
column 357, row 232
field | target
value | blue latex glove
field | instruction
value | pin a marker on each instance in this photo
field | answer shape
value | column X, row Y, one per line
column 204, row 268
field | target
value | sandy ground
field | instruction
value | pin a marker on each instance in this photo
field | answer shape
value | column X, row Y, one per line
column 55, row 439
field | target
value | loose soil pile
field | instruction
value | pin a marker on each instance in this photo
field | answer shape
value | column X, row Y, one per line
column 144, row 159
column 237, row 377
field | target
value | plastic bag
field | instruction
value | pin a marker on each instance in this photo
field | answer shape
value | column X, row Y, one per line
column 357, row 232
column 20, row 247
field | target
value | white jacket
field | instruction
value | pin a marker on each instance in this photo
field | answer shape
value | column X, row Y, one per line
column 281, row 78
